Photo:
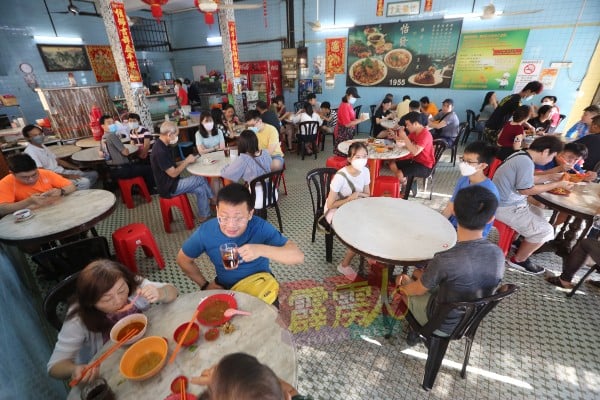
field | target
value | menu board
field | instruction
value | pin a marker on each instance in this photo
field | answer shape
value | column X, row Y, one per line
column 405, row 54
column 489, row 60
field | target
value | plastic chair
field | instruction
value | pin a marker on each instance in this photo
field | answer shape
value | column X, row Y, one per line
column 183, row 203
column 506, row 235
column 336, row 162
column 462, row 130
column 319, row 184
column 372, row 107
column 298, row 106
column 386, row 186
column 491, row 170
column 307, row 133
column 59, row 295
column 357, row 110
column 128, row 238
column 593, row 268
column 126, row 186
column 471, row 126
column 61, row 261
column 283, row 180
column 184, row 145
column 473, row 313
column 333, row 124
column 439, row 147
column 269, row 184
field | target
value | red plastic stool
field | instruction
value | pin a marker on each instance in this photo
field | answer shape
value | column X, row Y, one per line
column 128, row 238
column 336, row 162
column 127, row 184
column 506, row 234
column 184, row 206
column 386, row 186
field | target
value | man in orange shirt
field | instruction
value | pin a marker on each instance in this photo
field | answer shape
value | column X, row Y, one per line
column 30, row 187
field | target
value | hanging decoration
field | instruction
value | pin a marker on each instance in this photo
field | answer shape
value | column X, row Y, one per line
column 235, row 58
column 156, row 7
column 335, row 55
column 379, row 10
column 118, row 11
column 265, row 12
column 209, row 14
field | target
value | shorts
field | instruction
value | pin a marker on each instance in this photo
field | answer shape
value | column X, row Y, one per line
column 413, row 168
column 528, row 221
column 280, row 158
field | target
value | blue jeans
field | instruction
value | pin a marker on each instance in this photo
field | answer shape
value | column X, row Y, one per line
column 198, row 186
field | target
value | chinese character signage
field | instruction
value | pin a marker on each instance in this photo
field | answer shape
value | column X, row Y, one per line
column 489, row 60
column 335, row 50
column 235, row 57
column 118, row 10
column 379, row 9
column 103, row 63
column 403, row 54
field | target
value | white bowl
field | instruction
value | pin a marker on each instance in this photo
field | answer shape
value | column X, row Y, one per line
column 123, row 322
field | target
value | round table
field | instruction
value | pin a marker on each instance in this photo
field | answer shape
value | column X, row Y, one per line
column 91, row 142
column 210, row 165
column 64, row 151
column 262, row 335
column 183, row 133
column 71, row 214
column 583, row 203
column 92, row 154
column 375, row 158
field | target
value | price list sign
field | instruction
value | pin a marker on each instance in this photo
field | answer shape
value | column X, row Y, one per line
column 403, row 54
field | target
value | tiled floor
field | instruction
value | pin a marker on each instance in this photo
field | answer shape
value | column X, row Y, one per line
column 537, row 345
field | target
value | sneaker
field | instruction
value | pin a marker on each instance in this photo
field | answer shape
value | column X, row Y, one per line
column 347, row 271
column 525, row 266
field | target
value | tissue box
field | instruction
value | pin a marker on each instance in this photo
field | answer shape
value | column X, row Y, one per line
column 8, row 100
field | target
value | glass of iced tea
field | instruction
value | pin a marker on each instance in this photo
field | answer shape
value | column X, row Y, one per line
column 230, row 255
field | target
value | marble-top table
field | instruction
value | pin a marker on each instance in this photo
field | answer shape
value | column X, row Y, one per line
column 263, row 335
column 91, row 142
column 71, row 214
column 64, row 151
column 211, row 164
column 375, row 158
column 389, row 123
column 92, row 154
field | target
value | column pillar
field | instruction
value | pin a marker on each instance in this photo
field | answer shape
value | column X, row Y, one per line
column 229, row 48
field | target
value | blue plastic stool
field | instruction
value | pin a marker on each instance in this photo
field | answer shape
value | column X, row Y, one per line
column 181, row 146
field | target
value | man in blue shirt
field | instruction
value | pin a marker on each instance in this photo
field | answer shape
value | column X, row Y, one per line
column 258, row 241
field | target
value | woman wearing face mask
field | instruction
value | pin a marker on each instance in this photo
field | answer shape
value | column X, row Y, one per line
column 345, row 129
column 476, row 158
column 139, row 136
column 349, row 183
column 208, row 137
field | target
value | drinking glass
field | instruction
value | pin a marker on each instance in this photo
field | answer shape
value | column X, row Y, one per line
column 97, row 389
column 230, row 255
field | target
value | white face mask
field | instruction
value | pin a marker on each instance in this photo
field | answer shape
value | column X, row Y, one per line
column 528, row 97
column 208, row 126
column 174, row 140
column 352, row 100
column 133, row 125
column 466, row 169
column 547, row 103
column 359, row 163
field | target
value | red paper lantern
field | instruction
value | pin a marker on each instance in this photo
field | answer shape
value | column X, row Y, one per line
column 209, row 16
column 155, row 7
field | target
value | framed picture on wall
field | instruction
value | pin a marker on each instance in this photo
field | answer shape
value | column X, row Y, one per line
column 64, row 57
column 403, row 8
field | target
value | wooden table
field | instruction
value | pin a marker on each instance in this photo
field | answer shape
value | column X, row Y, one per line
column 262, row 335
column 583, row 204
column 92, row 154
column 393, row 232
column 64, row 151
column 375, row 158
column 70, row 215
column 91, row 142
column 210, row 165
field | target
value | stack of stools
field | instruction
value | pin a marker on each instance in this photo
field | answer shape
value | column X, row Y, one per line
column 126, row 241
column 336, row 162
column 506, row 234
column 386, row 186
column 183, row 203
column 126, row 185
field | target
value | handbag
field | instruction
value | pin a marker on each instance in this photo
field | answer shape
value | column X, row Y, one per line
column 262, row 285
column 324, row 221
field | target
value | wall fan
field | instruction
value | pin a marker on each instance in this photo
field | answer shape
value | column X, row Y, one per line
column 73, row 9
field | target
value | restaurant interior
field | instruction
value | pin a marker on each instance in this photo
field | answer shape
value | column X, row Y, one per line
column 538, row 343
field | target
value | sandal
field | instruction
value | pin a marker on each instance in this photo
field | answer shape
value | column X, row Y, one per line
column 555, row 280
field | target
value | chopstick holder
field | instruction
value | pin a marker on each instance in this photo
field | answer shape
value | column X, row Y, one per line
column 104, row 356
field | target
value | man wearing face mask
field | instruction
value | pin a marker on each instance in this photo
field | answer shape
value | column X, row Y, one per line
column 116, row 155
column 45, row 159
column 268, row 138
column 506, row 107
column 476, row 158
column 167, row 172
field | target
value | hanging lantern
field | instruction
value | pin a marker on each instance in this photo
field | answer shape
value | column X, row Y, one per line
column 155, row 7
column 208, row 8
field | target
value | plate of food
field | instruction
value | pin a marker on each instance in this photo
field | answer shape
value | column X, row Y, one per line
column 560, row 191
column 368, row 71
column 398, row 59
column 212, row 309
column 426, row 78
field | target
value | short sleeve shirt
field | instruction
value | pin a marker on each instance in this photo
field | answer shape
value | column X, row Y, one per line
column 267, row 137
column 339, row 184
column 161, row 159
column 345, row 114
column 12, row 190
column 509, row 133
column 43, row 158
column 503, row 112
column 140, row 134
column 211, row 141
column 424, row 139
column 115, row 147
column 464, row 182
column 515, row 173
column 208, row 237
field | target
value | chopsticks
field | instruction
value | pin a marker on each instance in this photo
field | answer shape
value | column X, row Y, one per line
column 560, row 158
column 104, row 356
column 187, row 330
column 182, row 390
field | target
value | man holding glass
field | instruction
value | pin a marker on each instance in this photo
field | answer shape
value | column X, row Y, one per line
column 254, row 240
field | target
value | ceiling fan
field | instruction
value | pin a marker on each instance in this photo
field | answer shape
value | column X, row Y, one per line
column 316, row 25
column 489, row 12
column 212, row 6
column 74, row 10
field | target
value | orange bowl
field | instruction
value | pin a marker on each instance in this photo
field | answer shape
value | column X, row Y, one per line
column 380, row 149
column 192, row 335
column 144, row 359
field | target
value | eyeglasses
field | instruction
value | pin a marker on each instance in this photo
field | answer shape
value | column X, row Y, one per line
column 469, row 162
column 236, row 221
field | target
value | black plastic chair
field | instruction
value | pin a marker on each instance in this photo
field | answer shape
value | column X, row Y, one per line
column 593, row 268
column 439, row 146
column 471, row 126
column 307, row 133
column 299, row 105
column 473, row 313
column 269, row 184
column 462, row 130
column 333, row 124
column 319, row 184
column 64, row 260
column 357, row 111
column 373, row 108
column 58, row 296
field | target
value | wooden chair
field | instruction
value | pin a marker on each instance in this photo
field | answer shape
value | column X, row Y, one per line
column 439, row 147
column 319, row 184
column 307, row 133
column 473, row 313
column 58, row 296
column 268, row 187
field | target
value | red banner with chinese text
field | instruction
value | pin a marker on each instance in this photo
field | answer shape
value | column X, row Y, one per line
column 235, row 57
column 428, row 5
column 118, row 10
column 335, row 55
column 379, row 11
column 103, row 63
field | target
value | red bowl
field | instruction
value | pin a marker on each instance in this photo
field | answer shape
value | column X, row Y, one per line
column 192, row 335
column 175, row 386
column 210, row 302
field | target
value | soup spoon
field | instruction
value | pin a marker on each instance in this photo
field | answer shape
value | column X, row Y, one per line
column 130, row 305
column 230, row 312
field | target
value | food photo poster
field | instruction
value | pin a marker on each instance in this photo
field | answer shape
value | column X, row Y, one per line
column 403, row 54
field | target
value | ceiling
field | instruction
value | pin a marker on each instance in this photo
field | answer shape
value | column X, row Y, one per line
column 171, row 6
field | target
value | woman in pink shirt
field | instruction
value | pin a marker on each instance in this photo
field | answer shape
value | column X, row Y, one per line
column 346, row 120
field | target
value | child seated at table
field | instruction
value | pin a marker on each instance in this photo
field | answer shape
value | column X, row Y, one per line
column 511, row 135
column 103, row 290
column 241, row 376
